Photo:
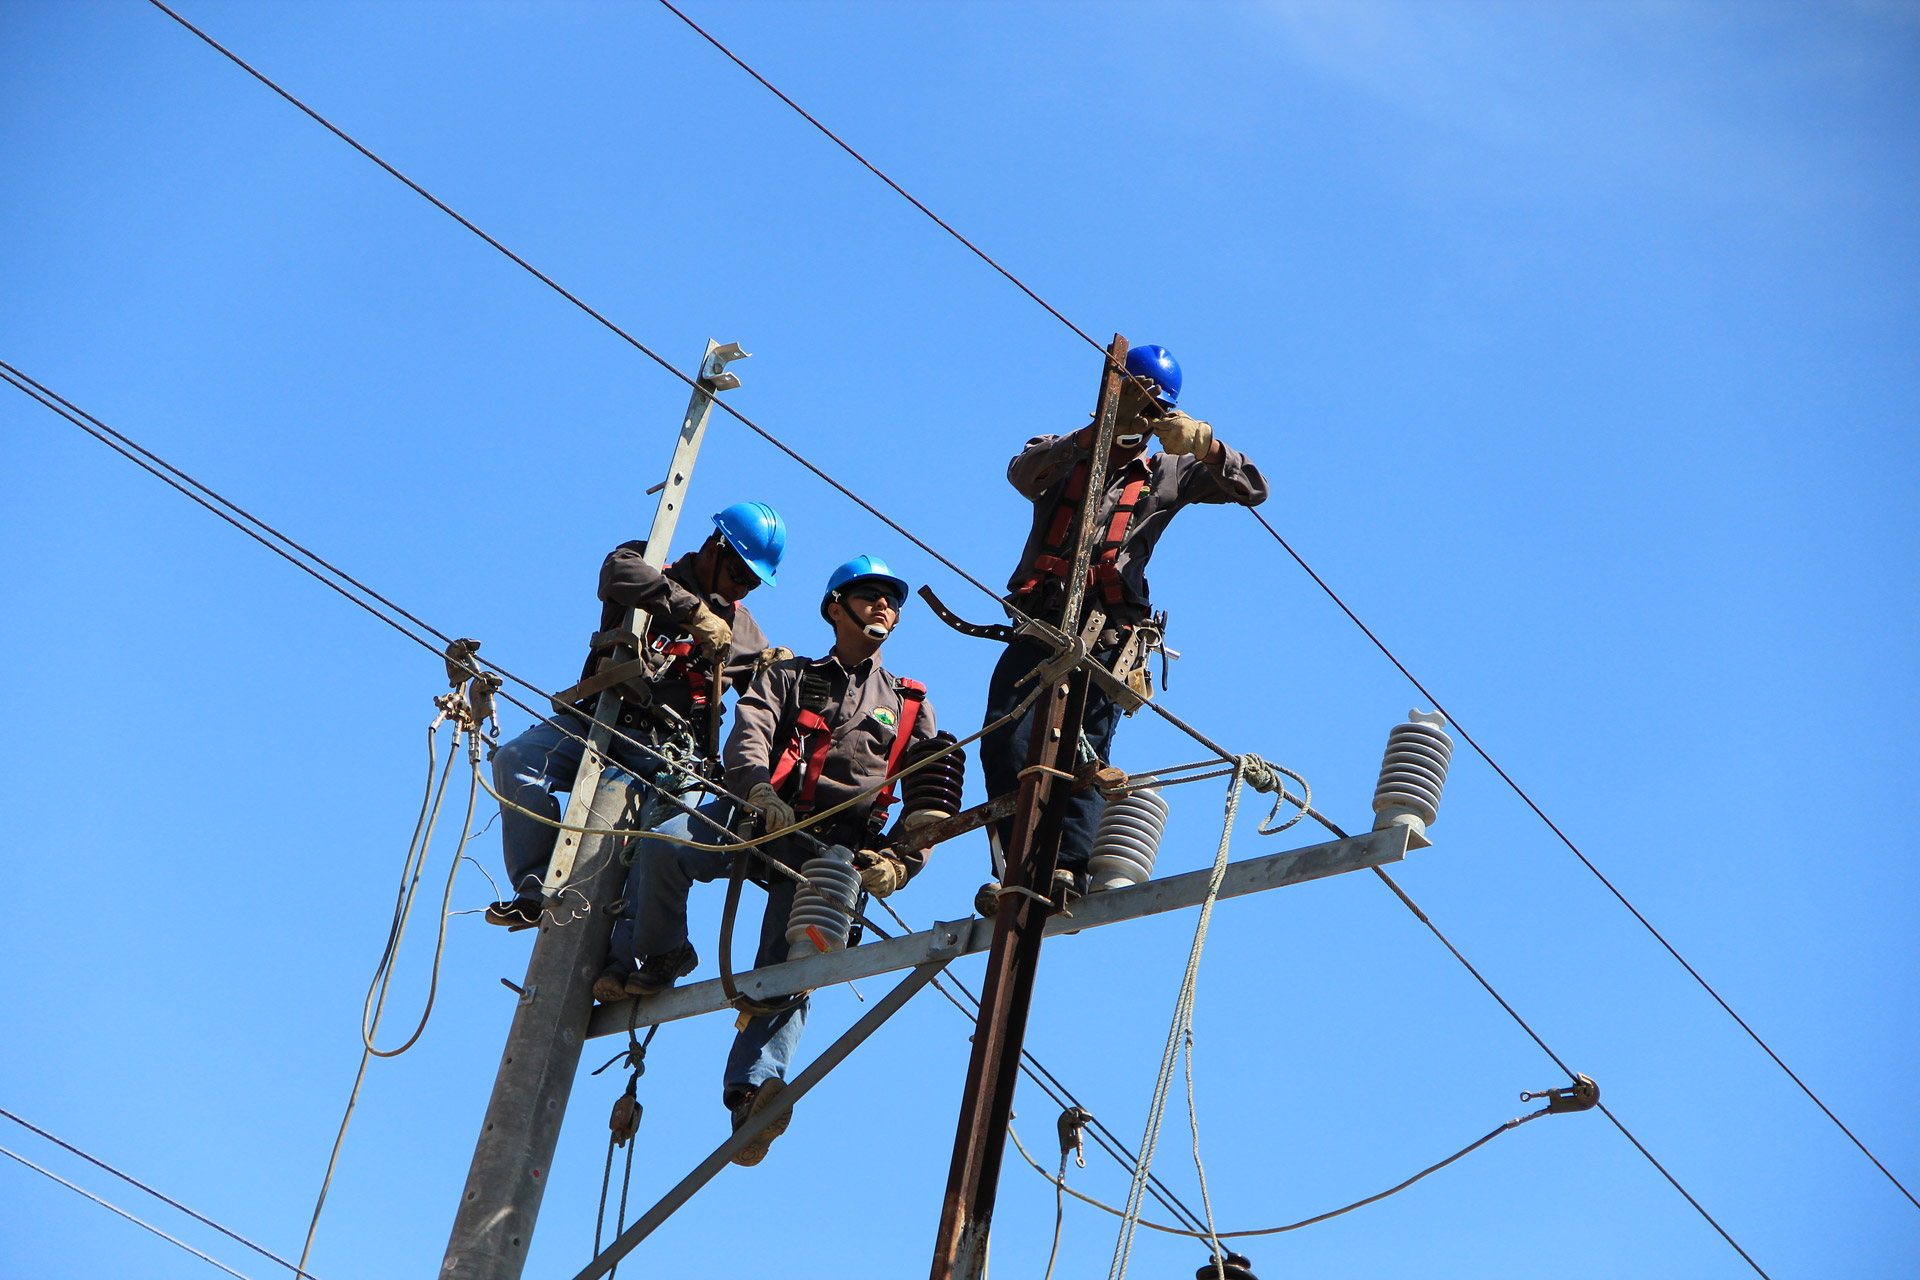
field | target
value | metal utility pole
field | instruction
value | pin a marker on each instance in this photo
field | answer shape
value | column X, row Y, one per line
column 494, row 1224
column 966, row 1214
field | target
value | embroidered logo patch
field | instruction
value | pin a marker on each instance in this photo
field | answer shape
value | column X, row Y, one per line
column 885, row 717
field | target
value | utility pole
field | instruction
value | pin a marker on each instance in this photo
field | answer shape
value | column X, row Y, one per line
column 966, row 1213
column 493, row 1227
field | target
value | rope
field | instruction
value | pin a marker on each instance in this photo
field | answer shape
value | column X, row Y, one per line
column 1181, row 1028
column 122, row 1212
column 157, row 1195
column 1216, row 1237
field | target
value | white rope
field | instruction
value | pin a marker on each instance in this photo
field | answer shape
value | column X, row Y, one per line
column 1177, row 1036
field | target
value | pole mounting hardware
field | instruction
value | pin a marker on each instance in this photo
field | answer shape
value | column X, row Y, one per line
column 714, row 375
column 1582, row 1095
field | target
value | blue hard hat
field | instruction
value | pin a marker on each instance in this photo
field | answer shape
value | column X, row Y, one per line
column 858, row 569
column 757, row 532
column 1156, row 365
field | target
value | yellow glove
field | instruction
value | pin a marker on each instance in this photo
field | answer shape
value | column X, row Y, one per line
column 883, row 874
column 712, row 631
column 1180, row 434
column 775, row 813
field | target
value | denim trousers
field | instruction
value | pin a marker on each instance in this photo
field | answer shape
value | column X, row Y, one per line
column 1003, row 753
column 529, row 771
column 655, row 922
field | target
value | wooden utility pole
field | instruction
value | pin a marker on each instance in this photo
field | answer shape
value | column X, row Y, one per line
column 966, row 1214
column 493, row 1226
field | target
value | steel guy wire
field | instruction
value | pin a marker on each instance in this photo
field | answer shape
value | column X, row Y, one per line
column 1331, row 594
column 173, row 1240
column 157, row 1195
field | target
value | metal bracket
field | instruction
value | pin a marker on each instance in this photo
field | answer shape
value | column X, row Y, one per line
column 1068, row 653
column 1582, row 1095
column 714, row 375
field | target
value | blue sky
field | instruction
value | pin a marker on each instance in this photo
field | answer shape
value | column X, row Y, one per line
column 1577, row 340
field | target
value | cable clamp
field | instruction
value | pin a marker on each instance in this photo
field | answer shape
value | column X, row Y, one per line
column 1582, row 1095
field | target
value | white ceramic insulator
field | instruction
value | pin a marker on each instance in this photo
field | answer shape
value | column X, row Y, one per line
column 1414, row 773
column 828, row 909
column 1127, row 840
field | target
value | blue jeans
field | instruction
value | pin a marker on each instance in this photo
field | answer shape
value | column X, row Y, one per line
column 655, row 922
column 1003, row 753
column 528, row 771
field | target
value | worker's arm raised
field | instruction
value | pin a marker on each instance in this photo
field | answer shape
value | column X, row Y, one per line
column 1045, row 462
column 628, row 580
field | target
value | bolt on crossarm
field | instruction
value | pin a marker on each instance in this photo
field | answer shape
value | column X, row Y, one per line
column 493, row 1227
column 986, row 1105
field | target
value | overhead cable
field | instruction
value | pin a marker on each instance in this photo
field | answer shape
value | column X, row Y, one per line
column 105, row 1204
column 161, row 1196
column 1089, row 340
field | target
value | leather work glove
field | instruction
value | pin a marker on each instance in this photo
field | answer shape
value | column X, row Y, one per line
column 775, row 813
column 712, row 631
column 779, row 653
column 882, row 872
column 1180, row 434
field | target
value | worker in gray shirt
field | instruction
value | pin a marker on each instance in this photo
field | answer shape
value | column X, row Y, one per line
column 696, row 623
column 807, row 735
column 1143, row 494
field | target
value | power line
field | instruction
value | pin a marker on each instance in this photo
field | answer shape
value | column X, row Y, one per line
column 158, row 1195
column 901, row 530
column 1478, row 749
column 122, row 1212
column 1555, row 828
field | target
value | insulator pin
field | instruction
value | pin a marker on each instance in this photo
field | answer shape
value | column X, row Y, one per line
column 1413, row 774
column 823, row 907
column 1127, row 840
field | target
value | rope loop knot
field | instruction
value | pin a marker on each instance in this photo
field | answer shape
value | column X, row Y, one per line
column 1270, row 779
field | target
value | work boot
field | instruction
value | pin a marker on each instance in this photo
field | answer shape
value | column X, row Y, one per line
column 1069, row 883
column 611, row 986
column 521, row 913
column 747, row 1105
column 659, row 973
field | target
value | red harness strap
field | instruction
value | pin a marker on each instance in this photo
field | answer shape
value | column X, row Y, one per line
column 682, row 662
column 1103, row 570
column 813, row 738
column 912, row 694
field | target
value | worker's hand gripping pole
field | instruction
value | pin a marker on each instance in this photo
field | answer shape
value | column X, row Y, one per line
column 966, row 1214
column 666, row 517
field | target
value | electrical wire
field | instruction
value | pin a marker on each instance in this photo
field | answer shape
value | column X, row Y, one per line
column 161, row 1196
column 1331, row 594
column 1216, row 1237
column 122, row 1212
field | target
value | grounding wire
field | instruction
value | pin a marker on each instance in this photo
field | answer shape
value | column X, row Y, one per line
column 174, row 1240
column 161, row 1196
column 1517, row 789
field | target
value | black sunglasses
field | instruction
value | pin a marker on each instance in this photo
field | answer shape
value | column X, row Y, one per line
column 736, row 567
column 874, row 594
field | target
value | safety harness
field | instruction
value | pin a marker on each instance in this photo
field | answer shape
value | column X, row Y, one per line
column 808, row 739
column 1103, row 570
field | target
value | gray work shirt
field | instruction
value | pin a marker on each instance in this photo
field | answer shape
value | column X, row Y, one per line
column 1041, row 471
column 863, row 712
column 670, row 597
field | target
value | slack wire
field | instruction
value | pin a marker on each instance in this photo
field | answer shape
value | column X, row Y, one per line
column 1051, row 310
column 1558, row 1062
column 1584, row 860
column 173, row 1240
column 157, row 1195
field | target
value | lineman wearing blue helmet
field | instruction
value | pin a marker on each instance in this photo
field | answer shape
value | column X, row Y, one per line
column 1143, row 493
column 808, row 736
column 698, row 630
